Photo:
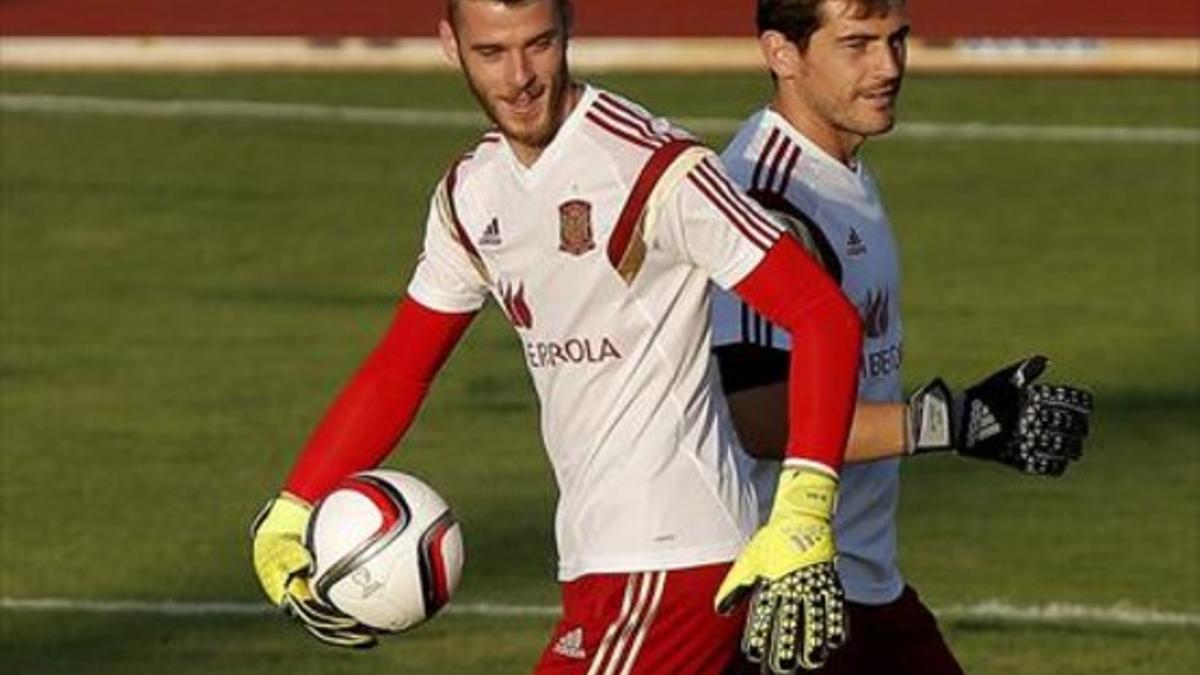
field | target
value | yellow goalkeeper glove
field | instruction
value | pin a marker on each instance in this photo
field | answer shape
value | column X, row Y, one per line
column 797, row 614
column 283, row 564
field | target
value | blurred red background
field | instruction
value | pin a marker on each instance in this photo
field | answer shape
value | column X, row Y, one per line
column 933, row 19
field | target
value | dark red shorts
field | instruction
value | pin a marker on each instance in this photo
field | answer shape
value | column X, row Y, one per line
column 899, row 638
column 645, row 623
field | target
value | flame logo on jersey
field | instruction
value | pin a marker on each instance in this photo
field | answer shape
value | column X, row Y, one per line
column 515, row 306
column 875, row 313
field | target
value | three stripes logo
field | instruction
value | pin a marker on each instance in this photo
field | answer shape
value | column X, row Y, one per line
column 570, row 645
column 618, row 651
column 983, row 424
column 855, row 246
column 776, row 161
column 491, row 234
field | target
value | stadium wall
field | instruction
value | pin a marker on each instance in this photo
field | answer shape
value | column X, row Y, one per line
column 933, row 19
column 950, row 35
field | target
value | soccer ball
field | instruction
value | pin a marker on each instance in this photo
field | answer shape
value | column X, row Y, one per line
column 387, row 550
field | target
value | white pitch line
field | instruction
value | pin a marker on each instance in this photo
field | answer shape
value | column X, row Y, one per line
column 1120, row 614
column 1054, row 613
column 304, row 112
column 459, row 119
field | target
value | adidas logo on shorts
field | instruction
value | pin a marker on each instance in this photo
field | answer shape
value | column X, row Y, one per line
column 570, row 645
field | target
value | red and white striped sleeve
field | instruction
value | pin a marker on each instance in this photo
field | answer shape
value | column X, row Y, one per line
column 741, row 247
column 717, row 227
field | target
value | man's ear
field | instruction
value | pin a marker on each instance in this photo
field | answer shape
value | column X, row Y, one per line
column 449, row 43
column 781, row 54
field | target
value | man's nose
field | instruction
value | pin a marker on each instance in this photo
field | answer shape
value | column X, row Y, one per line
column 520, row 70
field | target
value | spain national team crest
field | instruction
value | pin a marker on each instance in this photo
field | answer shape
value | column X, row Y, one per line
column 575, row 227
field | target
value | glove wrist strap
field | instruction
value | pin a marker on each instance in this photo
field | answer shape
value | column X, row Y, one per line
column 929, row 424
column 285, row 514
column 803, row 491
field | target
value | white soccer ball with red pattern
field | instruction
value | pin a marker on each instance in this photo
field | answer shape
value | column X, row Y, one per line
column 387, row 550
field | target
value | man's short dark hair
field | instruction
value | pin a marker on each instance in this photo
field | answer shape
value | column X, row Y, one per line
column 797, row 20
column 566, row 13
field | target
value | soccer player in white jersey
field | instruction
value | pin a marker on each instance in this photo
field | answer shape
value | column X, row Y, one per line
column 599, row 230
column 838, row 67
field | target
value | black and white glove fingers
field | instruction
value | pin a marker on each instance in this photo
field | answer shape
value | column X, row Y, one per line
column 824, row 619
column 1063, row 409
column 759, row 617
column 795, row 622
column 1041, row 455
column 837, row 623
column 775, row 631
column 1054, row 422
column 791, row 642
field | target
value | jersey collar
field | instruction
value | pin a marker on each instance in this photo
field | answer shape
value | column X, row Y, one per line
column 826, row 162
column 549, row 157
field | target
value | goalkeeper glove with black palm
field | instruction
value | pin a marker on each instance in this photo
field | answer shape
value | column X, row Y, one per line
column 1036, row 428
column 283, row 565
column 797, row 612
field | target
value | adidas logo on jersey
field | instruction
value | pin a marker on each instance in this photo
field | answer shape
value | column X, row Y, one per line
column 855, row 246
column 570, row 645
column 491, row 234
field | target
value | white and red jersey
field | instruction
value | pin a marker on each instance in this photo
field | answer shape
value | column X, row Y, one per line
column 838, row 211
column 601, row 255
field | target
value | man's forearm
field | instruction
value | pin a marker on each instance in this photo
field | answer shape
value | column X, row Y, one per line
column 876, row 432
column 790, row 290
column 376, row 407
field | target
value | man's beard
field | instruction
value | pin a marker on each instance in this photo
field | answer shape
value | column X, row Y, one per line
column 538, row 136
column 844, row 118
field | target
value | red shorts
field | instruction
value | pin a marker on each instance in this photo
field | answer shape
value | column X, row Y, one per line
column 647, row 623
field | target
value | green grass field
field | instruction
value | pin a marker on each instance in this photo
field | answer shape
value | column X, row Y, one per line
column 181, row 297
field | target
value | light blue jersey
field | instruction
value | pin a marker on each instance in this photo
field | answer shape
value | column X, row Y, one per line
column 842, row 218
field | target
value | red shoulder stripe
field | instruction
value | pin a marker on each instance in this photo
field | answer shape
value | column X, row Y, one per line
column 463, row 238
column 629, row 124
column 613, row 129
column 622, row 238
column 629, row 113
column 710, row 191
column 751, row 219
column 745, row 203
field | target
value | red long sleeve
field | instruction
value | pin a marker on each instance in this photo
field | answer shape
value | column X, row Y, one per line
column 375, row 409
column 792, row 291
